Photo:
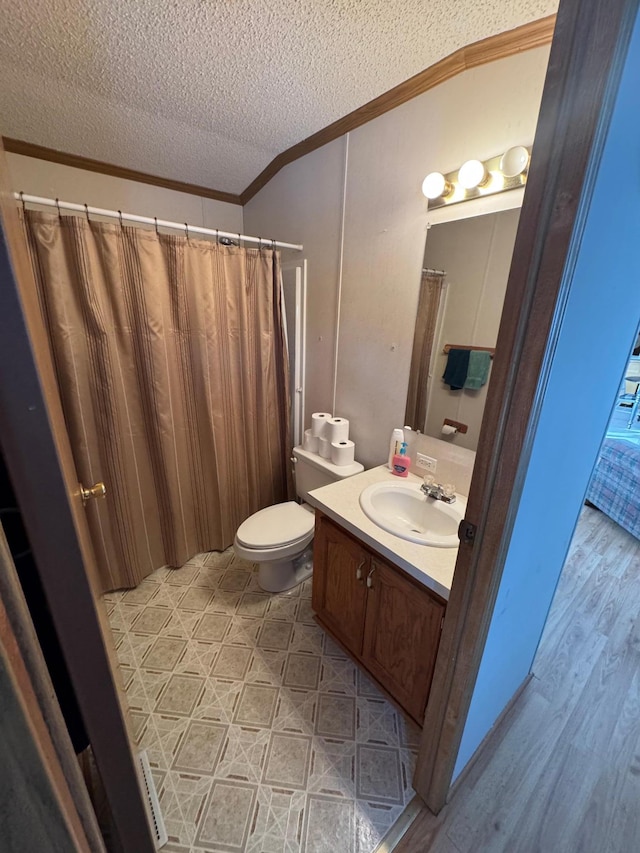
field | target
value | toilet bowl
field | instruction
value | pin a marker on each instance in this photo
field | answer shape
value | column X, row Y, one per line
column 278, row 538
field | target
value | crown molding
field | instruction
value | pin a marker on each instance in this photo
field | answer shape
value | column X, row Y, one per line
column 28, row 149
column 526, row 37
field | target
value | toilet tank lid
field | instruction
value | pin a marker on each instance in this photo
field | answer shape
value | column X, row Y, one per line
column 326, row 465
column 281, row 524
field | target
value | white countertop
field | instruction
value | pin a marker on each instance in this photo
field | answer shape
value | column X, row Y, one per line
column 340, row 501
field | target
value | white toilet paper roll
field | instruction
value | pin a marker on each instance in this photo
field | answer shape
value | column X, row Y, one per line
column 324, row 447
column 343, row 452
column 447, row 429
column 337, row 429
column 310, row 442
column 318, row 422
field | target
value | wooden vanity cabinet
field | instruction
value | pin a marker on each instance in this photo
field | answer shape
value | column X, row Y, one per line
column 339, row 592
column 385, row 618
column 401, row 636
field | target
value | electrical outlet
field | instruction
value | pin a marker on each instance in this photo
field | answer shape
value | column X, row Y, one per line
column 428, row 463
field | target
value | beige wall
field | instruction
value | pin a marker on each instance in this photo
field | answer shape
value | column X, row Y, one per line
column 52, row 180
column 384, row 216
column 303, row 204
column 477, row 114
column 476, row 255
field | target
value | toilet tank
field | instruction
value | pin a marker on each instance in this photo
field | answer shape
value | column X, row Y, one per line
column 312, row 471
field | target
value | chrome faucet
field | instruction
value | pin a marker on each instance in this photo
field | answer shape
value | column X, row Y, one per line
column 437, row 491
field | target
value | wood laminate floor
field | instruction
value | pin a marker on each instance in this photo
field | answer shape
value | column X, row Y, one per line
column 565, row 775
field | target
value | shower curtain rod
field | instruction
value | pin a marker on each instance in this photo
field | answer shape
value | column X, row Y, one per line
column 429, row 271
column 151, row 220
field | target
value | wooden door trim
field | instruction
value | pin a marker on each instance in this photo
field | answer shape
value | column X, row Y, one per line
column 29, row 406
column 587, row 56
column 49, row 771
column 26, row 644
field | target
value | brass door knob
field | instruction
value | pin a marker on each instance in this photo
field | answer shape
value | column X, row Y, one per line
column 99, row 490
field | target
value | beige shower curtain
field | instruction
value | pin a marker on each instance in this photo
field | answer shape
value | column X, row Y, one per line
column 170, row 360
column 431, row 286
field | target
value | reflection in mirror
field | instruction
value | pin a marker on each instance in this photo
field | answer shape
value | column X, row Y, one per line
column 466, row 267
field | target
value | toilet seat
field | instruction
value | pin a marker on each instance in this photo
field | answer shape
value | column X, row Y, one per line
column 276, row 528
column 277, row 539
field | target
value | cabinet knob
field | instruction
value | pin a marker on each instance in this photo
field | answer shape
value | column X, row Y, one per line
column 359, row 570
column 370, row 579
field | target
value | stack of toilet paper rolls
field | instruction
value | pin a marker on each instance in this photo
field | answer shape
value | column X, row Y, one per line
column 329, row 437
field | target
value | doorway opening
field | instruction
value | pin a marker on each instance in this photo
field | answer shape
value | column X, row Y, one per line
column 560, row 769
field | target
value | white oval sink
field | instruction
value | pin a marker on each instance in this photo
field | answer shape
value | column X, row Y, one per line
column 403, row 509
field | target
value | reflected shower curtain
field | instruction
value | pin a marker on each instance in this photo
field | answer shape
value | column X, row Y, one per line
column 170, row 359
column 431, row 286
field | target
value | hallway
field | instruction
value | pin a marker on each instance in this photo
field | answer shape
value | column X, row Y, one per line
column 564, row 775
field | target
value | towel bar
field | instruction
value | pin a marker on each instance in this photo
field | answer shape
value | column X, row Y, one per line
column 447, row 347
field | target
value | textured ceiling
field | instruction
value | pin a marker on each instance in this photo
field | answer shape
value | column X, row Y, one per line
column 210, row 92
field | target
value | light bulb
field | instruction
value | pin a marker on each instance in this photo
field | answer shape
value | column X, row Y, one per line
column 472, row 174
column 514, row 161
column 435, row 185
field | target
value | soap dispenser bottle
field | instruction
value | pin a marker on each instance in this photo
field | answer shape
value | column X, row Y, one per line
column 397, row 438
column 401, row 462
column 411, row 438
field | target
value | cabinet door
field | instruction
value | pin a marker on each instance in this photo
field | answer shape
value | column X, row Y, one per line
column 401, row 639
column 339, row 595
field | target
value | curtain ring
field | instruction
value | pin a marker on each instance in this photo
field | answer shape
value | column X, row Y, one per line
column 86, row 210
column 217, row 238
column 120, row 217
column 186, row 230
column 239, row 240
column 24, row 209
column 273, row 245
column 58, row 206
column 156, row 220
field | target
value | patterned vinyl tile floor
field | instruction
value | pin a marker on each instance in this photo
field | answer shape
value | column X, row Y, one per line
column 263, row 736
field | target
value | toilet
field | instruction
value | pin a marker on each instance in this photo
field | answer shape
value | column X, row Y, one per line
column 279, row 537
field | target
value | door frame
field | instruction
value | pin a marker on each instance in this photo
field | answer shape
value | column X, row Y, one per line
column 38, row 456
column 587, row 55
column 37, row 757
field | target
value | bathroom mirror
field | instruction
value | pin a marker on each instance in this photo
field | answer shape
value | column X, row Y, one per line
column 464, row 279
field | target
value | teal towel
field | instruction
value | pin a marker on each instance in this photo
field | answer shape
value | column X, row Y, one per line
column 478, row 372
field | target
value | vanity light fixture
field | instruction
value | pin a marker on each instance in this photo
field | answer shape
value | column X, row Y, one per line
column 477, row 178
